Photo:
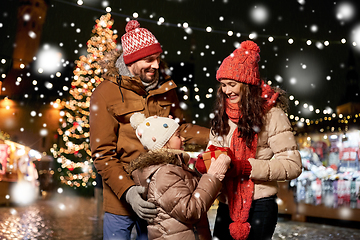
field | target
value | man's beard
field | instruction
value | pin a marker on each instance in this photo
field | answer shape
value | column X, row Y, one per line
column 146, row 79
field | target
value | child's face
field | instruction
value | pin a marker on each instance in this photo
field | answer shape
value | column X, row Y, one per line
column 175, row 142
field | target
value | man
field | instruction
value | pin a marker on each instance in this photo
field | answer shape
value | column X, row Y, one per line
column 135, row 81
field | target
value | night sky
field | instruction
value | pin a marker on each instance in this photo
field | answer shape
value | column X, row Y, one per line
column 313, row 74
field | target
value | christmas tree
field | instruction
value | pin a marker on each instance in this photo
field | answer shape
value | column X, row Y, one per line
column 72, row 152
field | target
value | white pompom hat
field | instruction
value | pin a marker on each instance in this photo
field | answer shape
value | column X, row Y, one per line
column 153, row 132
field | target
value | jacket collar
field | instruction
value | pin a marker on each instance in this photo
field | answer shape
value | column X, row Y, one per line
column 135, row 84
column 158, row 157
column 148, row 163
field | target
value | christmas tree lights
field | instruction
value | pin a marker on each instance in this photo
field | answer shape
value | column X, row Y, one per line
column 73, row 155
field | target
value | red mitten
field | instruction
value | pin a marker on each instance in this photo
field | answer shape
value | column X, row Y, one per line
column 200, row 165
column 239, row 168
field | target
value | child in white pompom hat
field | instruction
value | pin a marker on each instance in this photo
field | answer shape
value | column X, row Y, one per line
column 182, row 197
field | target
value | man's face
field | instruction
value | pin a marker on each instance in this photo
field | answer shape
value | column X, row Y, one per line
column 146, row 68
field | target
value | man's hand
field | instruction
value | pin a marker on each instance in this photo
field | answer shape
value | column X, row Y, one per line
column 145, row 210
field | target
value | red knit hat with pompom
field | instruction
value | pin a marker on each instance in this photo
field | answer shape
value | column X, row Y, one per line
column 242, row 64
column 138, row 43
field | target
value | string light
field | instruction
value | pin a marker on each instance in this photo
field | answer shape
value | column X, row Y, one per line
column 197, row 28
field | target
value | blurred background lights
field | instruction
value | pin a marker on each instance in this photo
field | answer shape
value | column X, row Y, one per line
column 48, row 85
column 259, row 14
column 345, row 11
column 355, row 36
column 105, row 3
column 302, row 2
column 161, row 20
column 313, row 28
column 253, row 35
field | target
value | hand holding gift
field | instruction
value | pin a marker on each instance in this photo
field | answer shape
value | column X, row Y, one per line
column 204, row 159
column 219, row 166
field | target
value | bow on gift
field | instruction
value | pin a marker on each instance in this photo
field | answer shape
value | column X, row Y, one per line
column 200, row 164
column 213, row 148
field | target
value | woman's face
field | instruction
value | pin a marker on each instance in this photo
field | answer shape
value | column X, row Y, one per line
column 232, row 89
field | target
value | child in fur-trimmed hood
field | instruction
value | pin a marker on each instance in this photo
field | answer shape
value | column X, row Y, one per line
column 181, row 196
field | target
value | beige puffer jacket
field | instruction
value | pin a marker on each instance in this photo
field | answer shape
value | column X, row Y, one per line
column 180, row 196
column 277, row 156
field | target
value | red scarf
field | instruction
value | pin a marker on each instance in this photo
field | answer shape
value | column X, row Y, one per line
column 240, row 188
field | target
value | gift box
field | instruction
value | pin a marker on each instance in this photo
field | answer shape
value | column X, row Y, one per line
column 213, row 152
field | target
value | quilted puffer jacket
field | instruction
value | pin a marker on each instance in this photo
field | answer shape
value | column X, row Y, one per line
column 277, row 156
column 181, row 196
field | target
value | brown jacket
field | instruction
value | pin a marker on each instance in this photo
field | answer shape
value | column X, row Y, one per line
column 277, row 157
column 180, row 196
column 112, row 139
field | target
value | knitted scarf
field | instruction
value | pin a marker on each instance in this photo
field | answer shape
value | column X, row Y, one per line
column 240, row 188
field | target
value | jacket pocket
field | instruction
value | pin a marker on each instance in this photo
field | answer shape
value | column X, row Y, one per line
column 165, row 107
column 122, row 111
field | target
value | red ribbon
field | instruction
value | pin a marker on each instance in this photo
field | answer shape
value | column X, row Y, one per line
column 213, row 148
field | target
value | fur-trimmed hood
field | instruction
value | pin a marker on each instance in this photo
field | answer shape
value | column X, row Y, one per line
column 115, row 69
column 158, row 157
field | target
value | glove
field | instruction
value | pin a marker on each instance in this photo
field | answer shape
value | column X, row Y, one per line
column 219, row 167
column 200, row 165
column 240, row 168
column 144, row 209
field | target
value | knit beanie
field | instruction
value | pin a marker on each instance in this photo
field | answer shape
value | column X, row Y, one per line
column 153, row 132
column 138, row 43
column 242, row 64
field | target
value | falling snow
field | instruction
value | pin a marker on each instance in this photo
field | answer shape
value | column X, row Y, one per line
column 304, row 49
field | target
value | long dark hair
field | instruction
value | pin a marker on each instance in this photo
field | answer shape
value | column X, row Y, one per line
column 252, row 114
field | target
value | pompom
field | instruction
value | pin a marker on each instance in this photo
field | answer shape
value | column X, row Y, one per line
column 250, row 45
column 136, row 119
column 239, row 230
column 132, row 25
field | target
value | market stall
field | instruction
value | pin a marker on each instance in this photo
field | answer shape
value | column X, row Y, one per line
column 330, row 182
column 16, row 166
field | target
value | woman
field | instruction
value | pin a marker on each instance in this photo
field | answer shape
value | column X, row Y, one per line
column 250, row 119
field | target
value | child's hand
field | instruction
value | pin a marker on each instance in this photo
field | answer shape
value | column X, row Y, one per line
column 219, row 166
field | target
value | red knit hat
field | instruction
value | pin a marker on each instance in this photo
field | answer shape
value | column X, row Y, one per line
column 242, row 64
column 138, row 43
